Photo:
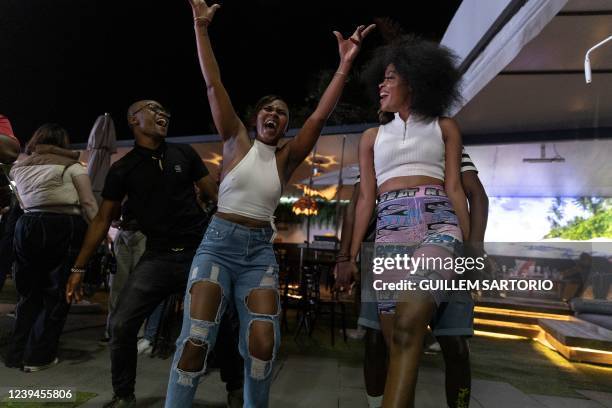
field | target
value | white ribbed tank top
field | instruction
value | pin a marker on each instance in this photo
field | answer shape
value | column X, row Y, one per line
column 252, row 188
column 411, row 148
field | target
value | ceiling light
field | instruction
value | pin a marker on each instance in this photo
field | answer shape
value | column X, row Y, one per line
column 543, row 158
column 587, row 62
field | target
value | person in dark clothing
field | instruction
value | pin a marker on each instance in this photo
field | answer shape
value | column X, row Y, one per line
column 574, row 279
column 55, row 193
column 8, row 221
column 159, row 179
column 9, row 208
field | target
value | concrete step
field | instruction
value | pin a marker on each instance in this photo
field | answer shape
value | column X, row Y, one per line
column 604, row 398
column 560, row 402
column 495, row 394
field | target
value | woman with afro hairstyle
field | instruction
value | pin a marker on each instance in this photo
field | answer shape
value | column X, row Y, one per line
column 411, row 162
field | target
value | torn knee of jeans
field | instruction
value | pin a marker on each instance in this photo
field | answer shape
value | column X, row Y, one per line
column 206, row 298
column 199, row 329
column 260, row 369
column 263, row 302
column 262, row 347
column 195, row 348
column 192, row 363
column 269, row 279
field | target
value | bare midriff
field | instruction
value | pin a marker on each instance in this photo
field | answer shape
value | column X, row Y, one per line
column 401, row 183
column 244, row 221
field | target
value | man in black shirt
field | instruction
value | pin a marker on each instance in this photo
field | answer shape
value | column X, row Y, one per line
column 158, row 178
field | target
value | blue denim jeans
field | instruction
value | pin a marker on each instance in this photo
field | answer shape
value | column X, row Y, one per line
column 153, row 322
column 8, row 222
column 239, row 260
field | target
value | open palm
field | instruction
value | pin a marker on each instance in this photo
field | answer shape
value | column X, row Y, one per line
column 201, row 10
column 350, row 47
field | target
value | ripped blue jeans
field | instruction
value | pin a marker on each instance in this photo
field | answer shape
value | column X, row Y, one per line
column 239, row 260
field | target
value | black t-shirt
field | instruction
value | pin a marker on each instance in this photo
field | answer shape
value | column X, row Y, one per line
column 159, row 185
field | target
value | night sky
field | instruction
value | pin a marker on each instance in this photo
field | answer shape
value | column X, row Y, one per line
column 67, row 61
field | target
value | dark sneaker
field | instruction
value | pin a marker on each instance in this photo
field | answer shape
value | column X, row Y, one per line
column 125, row 402
column 104, row 341
column 235, row 399
column 33, row 369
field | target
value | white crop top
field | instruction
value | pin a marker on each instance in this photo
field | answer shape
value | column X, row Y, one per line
column 411, row 148
column 252, row 188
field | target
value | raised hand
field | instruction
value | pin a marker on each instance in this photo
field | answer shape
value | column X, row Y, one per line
column 350, row 47
column 202, row 13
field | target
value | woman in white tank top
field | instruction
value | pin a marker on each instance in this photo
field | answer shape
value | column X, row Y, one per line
column 412, row 163
column 236, row 262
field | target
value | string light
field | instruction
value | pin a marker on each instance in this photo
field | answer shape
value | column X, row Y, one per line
column 306, row 205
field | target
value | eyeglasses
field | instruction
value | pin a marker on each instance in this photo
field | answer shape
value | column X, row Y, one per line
column 156, row 109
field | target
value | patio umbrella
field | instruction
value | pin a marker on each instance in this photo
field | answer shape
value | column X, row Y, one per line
column 102, row 143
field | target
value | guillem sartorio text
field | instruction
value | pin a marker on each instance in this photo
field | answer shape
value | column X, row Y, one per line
column 462, row 284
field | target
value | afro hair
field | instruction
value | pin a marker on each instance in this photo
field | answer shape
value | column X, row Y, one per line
column 426, row 66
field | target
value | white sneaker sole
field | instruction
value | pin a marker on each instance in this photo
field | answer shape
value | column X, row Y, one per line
column 33, row 369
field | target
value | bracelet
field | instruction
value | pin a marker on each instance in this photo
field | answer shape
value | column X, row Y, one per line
column 340, row 73
column 75, row 269
column 342, row 258
column 202, row 21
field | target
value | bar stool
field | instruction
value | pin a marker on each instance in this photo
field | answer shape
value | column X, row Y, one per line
column 312, row 306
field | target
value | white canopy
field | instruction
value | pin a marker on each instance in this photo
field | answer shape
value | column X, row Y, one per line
column 522, row 89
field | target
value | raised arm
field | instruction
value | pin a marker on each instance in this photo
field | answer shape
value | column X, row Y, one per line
column 305, row 140
column 367, row 190
column 452, row 177
column 226, row 120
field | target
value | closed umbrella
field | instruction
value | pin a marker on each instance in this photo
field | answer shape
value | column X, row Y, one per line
column 102, row 143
